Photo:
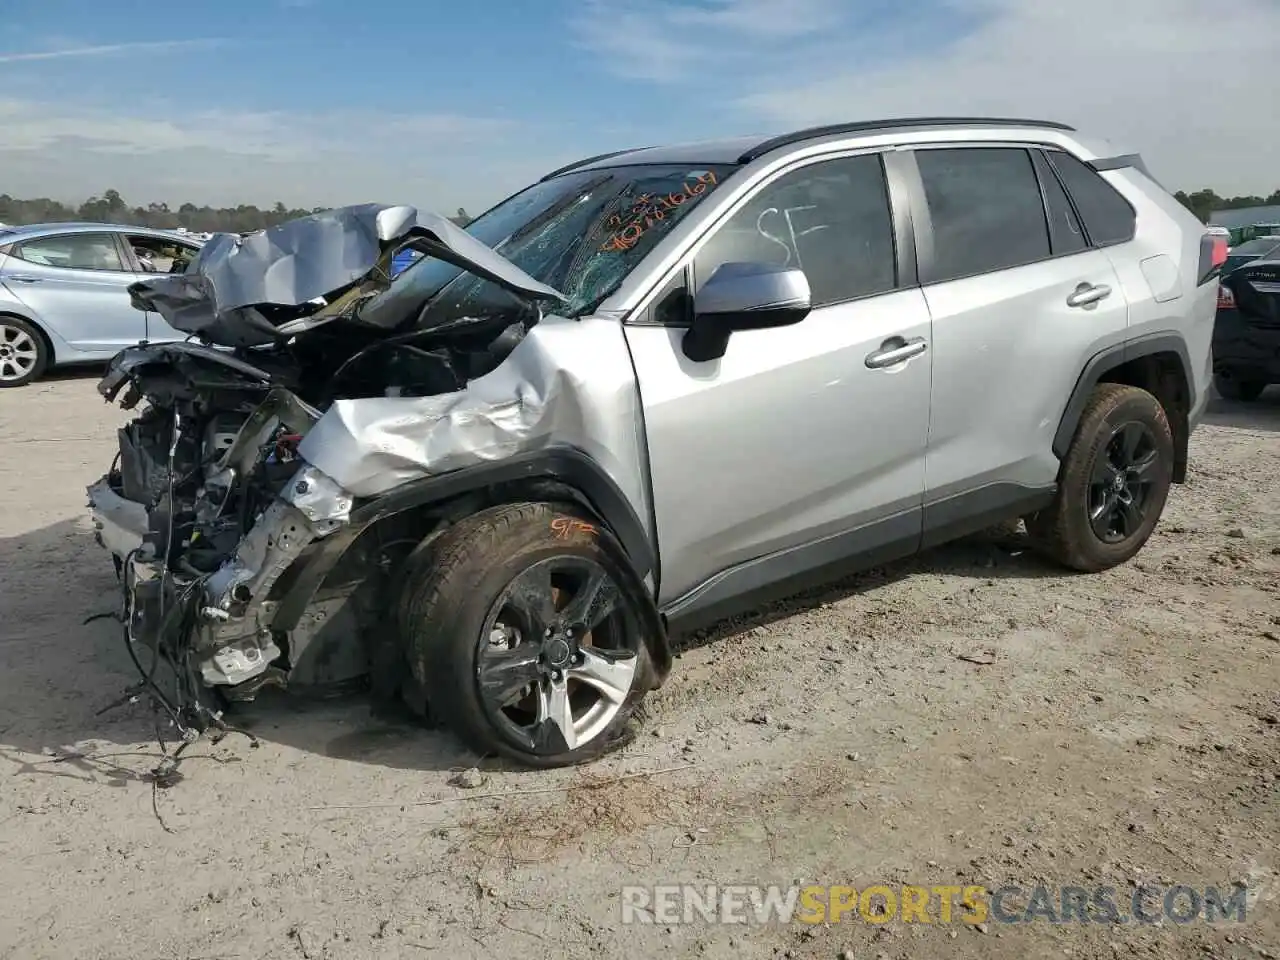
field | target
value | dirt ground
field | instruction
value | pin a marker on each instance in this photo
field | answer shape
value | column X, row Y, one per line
column 1116, row 729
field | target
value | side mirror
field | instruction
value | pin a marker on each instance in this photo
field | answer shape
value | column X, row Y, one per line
column 744, row 296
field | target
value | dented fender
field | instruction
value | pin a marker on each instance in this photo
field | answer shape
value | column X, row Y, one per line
column 566, row 466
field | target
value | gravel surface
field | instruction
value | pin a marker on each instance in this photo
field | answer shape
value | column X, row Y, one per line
column 974, row 716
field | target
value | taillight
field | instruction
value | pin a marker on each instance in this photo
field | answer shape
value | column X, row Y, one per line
column 1220, row 250
column 1226, row 299
column 1213, row 254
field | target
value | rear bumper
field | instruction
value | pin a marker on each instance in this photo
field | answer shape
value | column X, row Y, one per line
column 1241, row 345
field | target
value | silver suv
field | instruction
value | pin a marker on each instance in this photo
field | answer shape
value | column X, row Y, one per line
column 651, row 390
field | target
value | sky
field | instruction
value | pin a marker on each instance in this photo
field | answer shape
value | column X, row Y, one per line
column 442, row 104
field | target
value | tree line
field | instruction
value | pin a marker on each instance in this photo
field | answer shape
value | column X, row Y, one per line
column 1204, row 203
column 112, row 208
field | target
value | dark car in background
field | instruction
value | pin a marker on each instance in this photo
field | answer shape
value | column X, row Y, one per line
column 1257, row 249
column 1246, row 330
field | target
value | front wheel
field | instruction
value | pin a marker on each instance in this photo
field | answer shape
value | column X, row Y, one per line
column 1234, row 385
column 526, row 633
column 1114, row 482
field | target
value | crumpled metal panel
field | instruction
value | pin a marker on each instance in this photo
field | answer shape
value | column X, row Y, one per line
column 130, row 359
column 319, row 498
column 238, row 289
column 568, row 383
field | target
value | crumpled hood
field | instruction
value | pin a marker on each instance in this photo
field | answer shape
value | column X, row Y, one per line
column 249, row 291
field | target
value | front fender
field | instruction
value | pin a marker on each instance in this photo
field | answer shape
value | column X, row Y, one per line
column 569, row 469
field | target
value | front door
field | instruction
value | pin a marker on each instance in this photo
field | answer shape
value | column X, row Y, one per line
column 152, row 255
column 77, row 285
column 797, row 442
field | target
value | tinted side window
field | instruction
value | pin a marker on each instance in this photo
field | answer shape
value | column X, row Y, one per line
column 1107, row 216
column 986, row 210
column 830, row 219
column 1065, row 235
column 76, row 251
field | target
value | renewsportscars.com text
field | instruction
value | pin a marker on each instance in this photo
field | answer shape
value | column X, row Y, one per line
column 944, row 904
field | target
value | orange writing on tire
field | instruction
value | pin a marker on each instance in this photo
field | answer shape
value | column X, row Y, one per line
column 562, row 528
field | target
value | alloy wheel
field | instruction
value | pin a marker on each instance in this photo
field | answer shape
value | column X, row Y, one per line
column 557, row 656
column 1122, row 482
column 19, row 352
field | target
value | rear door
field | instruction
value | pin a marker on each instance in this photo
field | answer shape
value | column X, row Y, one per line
column 77, row 285
column 1018, row 301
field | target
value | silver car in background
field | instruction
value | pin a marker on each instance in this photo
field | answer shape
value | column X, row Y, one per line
column 64, row 293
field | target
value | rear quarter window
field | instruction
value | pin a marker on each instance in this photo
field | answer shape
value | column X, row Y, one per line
column 1107, row 216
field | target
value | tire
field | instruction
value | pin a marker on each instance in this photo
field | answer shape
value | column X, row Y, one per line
column 24, row 353
column 1238, row 385
column 1118, row 422
column 474, row 616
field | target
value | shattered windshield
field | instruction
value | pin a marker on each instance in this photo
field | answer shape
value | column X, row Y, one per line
column 580, row 233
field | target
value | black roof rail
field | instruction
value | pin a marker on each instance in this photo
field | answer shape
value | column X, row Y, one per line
column 864, row 126
column 582, row 163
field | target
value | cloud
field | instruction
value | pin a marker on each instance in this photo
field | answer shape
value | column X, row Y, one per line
column 1175, row 79
column 668, row 42
column 273, row 136
column 102, row 50
column 1182, row 81
column 163, row 152
column 769, row 20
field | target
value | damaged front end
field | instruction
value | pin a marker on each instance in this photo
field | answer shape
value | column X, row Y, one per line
column 264, row 501
column 206, row 507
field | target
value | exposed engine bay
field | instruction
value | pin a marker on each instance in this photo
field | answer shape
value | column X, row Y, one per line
column 245, row 509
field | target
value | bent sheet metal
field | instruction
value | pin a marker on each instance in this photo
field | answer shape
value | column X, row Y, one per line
column 244, row 291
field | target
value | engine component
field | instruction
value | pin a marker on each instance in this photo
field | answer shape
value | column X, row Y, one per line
column 239, row 661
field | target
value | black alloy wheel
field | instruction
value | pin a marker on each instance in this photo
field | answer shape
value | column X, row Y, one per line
column 1122, row 483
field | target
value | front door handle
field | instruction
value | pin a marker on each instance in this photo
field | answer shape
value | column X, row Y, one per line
column 1088, row 293
column 894, row 351
column 21, row 278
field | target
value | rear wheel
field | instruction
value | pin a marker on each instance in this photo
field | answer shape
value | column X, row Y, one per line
column 24, row 356
column 1114, row 484
column 525, row 631
column 1239, row 385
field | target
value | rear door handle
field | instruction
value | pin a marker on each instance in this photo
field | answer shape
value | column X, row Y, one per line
column 894, row 351
column 21, row 278
column 1088, row 293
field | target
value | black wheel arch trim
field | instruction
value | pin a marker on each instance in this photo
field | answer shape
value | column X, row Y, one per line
column 568, row 467
column 1102, row 363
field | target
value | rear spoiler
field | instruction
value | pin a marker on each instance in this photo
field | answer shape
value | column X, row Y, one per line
column 1125, row 161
